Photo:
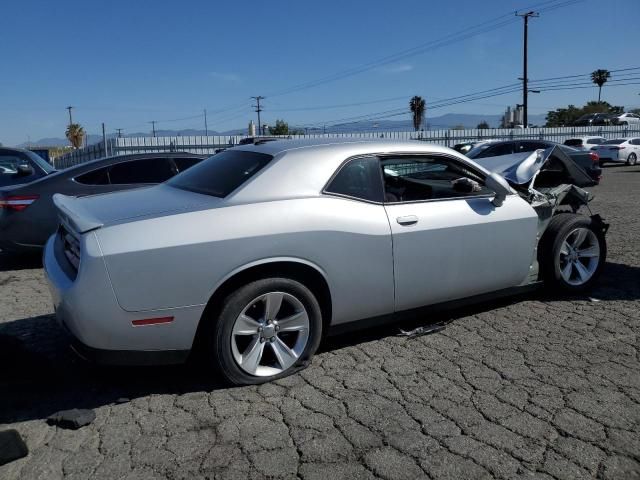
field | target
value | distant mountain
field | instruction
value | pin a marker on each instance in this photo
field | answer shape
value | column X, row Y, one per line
column 443, row 122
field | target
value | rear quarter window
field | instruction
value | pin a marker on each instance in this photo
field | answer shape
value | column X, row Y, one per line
column 222, row 173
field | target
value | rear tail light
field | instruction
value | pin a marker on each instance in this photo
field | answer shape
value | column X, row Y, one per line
column 595, row 158
column 18, row 202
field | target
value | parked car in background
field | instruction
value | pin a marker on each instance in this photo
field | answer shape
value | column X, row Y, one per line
column 258, row 251
column 584, row 143
column 28, row 216
column 464, row 147
column 587, row 160
column 627, row 119
column 594, row 119
column 619, row 150
column 18, row 165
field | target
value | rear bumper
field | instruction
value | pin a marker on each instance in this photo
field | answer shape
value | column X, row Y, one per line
column 102, row 331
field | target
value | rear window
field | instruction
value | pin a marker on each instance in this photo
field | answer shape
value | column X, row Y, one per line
column 573, row 142
column 222, row 173
column 617, row 141
column 595, row 141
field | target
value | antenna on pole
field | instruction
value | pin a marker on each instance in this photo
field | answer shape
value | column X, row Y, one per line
column 153, row 127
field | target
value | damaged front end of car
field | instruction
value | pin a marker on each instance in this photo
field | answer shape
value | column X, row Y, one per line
column 550, row 181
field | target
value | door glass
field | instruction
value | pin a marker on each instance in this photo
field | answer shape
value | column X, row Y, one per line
column 9, row 164
column 531, row 146
column 411, row 179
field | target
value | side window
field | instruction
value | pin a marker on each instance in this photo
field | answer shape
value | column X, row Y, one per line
column 9, row 164
column 148, row 170
column 184, row 163
column 506, row 148
column 100, row 176
column 410, row 179
column 531, row 146
column 359, row 178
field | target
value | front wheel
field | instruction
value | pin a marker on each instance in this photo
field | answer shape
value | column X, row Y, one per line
column 631, row 159
column 267, row 329
column 573, row 252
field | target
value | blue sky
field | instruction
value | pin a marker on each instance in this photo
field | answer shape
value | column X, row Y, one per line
column 126, row 63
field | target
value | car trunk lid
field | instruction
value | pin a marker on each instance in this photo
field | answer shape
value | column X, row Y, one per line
column 92, row 212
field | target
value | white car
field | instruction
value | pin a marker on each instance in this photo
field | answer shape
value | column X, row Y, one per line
column 619, row 150
column 628, row 119
column 584, row 143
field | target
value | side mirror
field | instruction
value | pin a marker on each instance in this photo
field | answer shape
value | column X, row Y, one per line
column 499, row 185
column 25, row 170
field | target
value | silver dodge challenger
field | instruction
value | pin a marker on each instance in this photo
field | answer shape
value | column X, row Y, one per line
column 251, row 256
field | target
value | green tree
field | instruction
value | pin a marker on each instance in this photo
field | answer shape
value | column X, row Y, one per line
column 281, row 128
column 417, row 106
column 563, row 117
column 483, row 125
column 600, row 77
column 75, row 134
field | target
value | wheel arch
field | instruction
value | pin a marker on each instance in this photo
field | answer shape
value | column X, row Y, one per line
column 303, row 271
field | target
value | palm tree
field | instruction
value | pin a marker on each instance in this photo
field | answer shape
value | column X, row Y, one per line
column 417, row 107
column 75, row 134
column 600, row 77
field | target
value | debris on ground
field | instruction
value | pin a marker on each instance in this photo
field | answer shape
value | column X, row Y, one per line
column 12, row 446
column 72, row 419
column 424, row 330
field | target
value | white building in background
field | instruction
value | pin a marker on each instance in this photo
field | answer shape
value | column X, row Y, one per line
column 513, row 117
column 252, row 129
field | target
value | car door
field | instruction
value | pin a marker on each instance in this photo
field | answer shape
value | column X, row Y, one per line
column 449, row 240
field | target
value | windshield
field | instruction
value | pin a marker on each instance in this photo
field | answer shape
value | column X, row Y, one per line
column 222, row 173
column 475, row 151
column 617, row 141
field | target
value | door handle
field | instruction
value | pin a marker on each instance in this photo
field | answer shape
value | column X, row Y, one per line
column 407, row 220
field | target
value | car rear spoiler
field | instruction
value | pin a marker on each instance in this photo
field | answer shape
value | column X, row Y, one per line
column 71, row 212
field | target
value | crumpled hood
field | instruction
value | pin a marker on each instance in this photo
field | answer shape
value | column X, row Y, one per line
column 94, row 211
column 520, row 168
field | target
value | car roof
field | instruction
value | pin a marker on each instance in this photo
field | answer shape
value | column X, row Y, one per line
column 130, row 156
column 13, row 150
column 365, row 144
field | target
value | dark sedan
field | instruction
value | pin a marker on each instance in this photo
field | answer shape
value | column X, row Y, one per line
column 18, row 166
column 28, row 216
column 589, row 161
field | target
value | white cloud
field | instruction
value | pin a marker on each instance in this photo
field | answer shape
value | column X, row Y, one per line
column 225, row 77
column 398, row 68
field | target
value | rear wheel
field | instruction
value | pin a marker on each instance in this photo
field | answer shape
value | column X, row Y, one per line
column 631, row 159
column 268, row 329
column 573, row 252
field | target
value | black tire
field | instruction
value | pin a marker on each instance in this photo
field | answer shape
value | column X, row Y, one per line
column 631, row 159
column 218, row 349
column 559, row 228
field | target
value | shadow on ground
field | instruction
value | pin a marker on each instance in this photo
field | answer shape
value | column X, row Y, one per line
column 40, row 375
column 19, row 261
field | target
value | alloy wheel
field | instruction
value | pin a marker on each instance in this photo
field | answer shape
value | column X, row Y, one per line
column 270, row 334
column 579, row 256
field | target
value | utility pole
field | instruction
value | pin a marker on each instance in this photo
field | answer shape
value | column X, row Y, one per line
column 119, row 130
column 206, row 129
column 153, row 126
column 70, row 119
column 104, row 141
column 258, row 109
column 525, row 79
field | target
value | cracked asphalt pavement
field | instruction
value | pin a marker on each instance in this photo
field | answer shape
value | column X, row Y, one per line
column 530, row 387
